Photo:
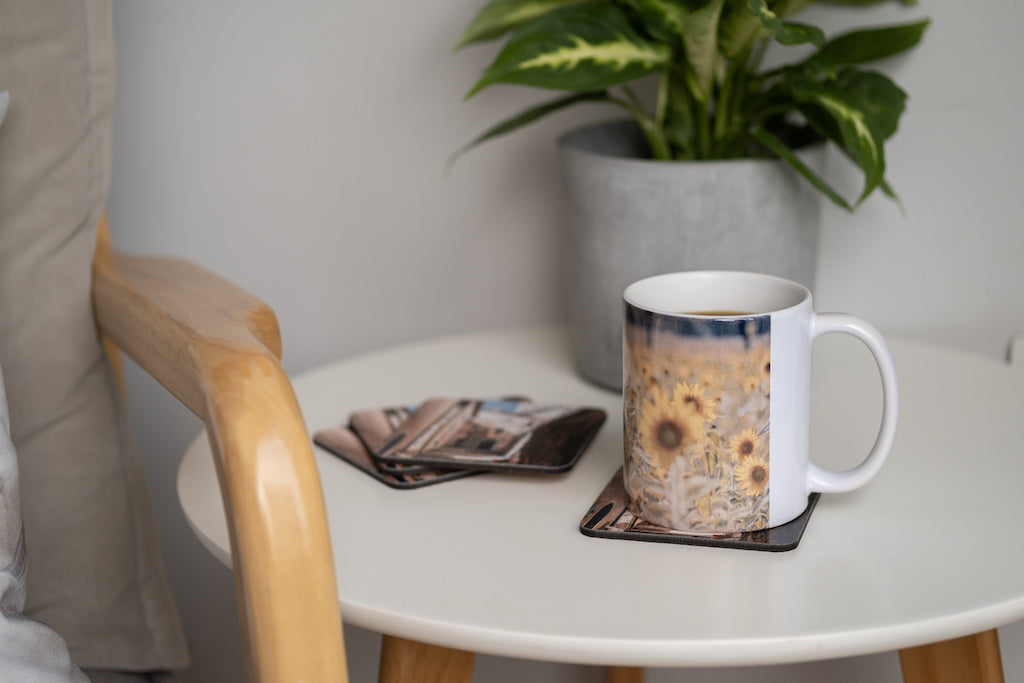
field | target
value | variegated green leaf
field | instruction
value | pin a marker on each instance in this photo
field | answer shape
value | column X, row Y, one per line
column 662, row 19
column 700, row 42
column 501, row 16
column 786, row 32
column 856, row 126
column 738, row 29
column 878, row 95
column 822, row 122
column 693, row 24
column 579, row 47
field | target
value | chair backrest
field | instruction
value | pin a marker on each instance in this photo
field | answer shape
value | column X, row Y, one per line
column 95, row 573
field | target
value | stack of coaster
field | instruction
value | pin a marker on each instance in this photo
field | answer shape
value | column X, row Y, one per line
column 447, row 438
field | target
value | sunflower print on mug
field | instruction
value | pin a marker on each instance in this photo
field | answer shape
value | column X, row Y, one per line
column 668, row 428
column 696, row 408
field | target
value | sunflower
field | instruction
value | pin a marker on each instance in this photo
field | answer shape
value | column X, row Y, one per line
column 692, row 395
column 666, row 428
column 744, row 444
column 752, row 476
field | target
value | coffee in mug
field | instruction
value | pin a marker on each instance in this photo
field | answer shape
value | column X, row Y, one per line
column 716, row 400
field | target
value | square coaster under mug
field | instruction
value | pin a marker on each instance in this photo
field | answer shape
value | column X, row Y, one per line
column 610, row 517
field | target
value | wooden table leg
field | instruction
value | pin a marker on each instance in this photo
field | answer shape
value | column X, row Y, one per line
column 408, row 661
column 961, row 660
column 624, row 674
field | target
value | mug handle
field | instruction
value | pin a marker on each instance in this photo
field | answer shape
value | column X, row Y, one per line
column 825, row 481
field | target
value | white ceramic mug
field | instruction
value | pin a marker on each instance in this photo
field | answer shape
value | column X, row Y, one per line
column 716, row 400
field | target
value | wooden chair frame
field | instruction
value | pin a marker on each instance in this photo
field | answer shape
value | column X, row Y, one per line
column 217, row 349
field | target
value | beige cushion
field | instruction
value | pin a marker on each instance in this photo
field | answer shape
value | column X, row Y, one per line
column 30, row 652
column 95, row 572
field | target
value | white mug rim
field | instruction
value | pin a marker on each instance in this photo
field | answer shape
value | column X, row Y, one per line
column 798, row 294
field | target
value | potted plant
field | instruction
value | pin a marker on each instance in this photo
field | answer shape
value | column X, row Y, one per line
column 710, row 99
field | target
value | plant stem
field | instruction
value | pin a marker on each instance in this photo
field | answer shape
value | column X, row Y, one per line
column 656, row 139
column 702, row 114
column 662, row 103
column 739, row 100
column 634, row 101
column 653, row 133
column 723, row 110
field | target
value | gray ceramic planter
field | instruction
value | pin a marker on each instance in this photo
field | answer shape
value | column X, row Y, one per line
column 629, row 217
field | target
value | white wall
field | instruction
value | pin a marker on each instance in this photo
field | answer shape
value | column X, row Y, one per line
column 298, row 149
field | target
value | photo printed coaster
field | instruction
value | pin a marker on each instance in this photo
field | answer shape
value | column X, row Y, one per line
column 376, row 427
column 355, row 449
column 509, row 435
column 610, row 517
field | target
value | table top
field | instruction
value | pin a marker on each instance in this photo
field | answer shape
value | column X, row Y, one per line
column 496, row 563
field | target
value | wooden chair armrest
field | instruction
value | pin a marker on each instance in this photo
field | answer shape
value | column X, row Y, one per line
column 217, row 349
